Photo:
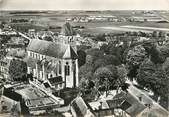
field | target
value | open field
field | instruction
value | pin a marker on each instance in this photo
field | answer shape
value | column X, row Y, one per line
column 123, row 29
column 146, row 28
column 58, row 18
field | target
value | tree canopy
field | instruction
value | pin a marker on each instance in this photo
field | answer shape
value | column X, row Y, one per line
column 106, row 60
column 18, row 70
column 81, row 57
column 134, row 58
column 95, row 53
column 48, row 38
column 154, row 77
column 100, row 37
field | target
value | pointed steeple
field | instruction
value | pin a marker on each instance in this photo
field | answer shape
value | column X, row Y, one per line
column 70, row 53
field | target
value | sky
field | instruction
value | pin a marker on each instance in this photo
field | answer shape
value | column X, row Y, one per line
column 84, row 4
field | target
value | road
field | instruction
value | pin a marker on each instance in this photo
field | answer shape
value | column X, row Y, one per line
column 23, row 35
column 145, row 28
column 124, row 29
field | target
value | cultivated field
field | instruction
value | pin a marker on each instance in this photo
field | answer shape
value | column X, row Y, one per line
column 58, row 18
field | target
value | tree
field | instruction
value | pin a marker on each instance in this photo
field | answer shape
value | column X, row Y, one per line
column 156, row 56
column 155, row 34
column 164, row 50
column 87, row 89
column 122, row 73
column 86, row 71
column 3, row 51
column 48, row 38
column 100, row 37
column 81, row 57
column 105, row 77
column 161, row 34
column 83, row 47
column 136, row 55
column 104, row 48
column 86, row 85
column 92, row 55
column 15, row 112
column 2, row 24
column 106, row 60
column 18, row 70
column 117, row 51
column 89, row 60
column 95, row 53
column 110, row 77
column 134, row 58
column 153, row 76
column 5, row 38
column 165, row 66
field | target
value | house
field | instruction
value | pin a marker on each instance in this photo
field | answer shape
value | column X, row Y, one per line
column 4, row 68
column 7, row 105
column 5, row 62
column 100, row 108
column 32, row 100
column 79, row 108
column 153, row 108
column 123, row 103
column 130, row 103
column 54, row 84
column 51, row 59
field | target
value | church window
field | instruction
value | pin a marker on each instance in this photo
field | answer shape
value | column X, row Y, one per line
column 74, row 66
column 60, row 67
column 31, row 54
column 67, row 69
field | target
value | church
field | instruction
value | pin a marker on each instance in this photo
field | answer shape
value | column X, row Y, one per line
column 51, row 60
column 54, row 61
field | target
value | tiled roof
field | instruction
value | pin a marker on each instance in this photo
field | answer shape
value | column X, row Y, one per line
column 51, row 49
column 130, row 104
column 70, row 53
column 80, row 108
column 55, row 80
column 155, row 109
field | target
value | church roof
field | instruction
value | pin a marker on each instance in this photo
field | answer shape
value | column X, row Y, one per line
column 51, row 49
column 80, row 108
column 70, row 53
